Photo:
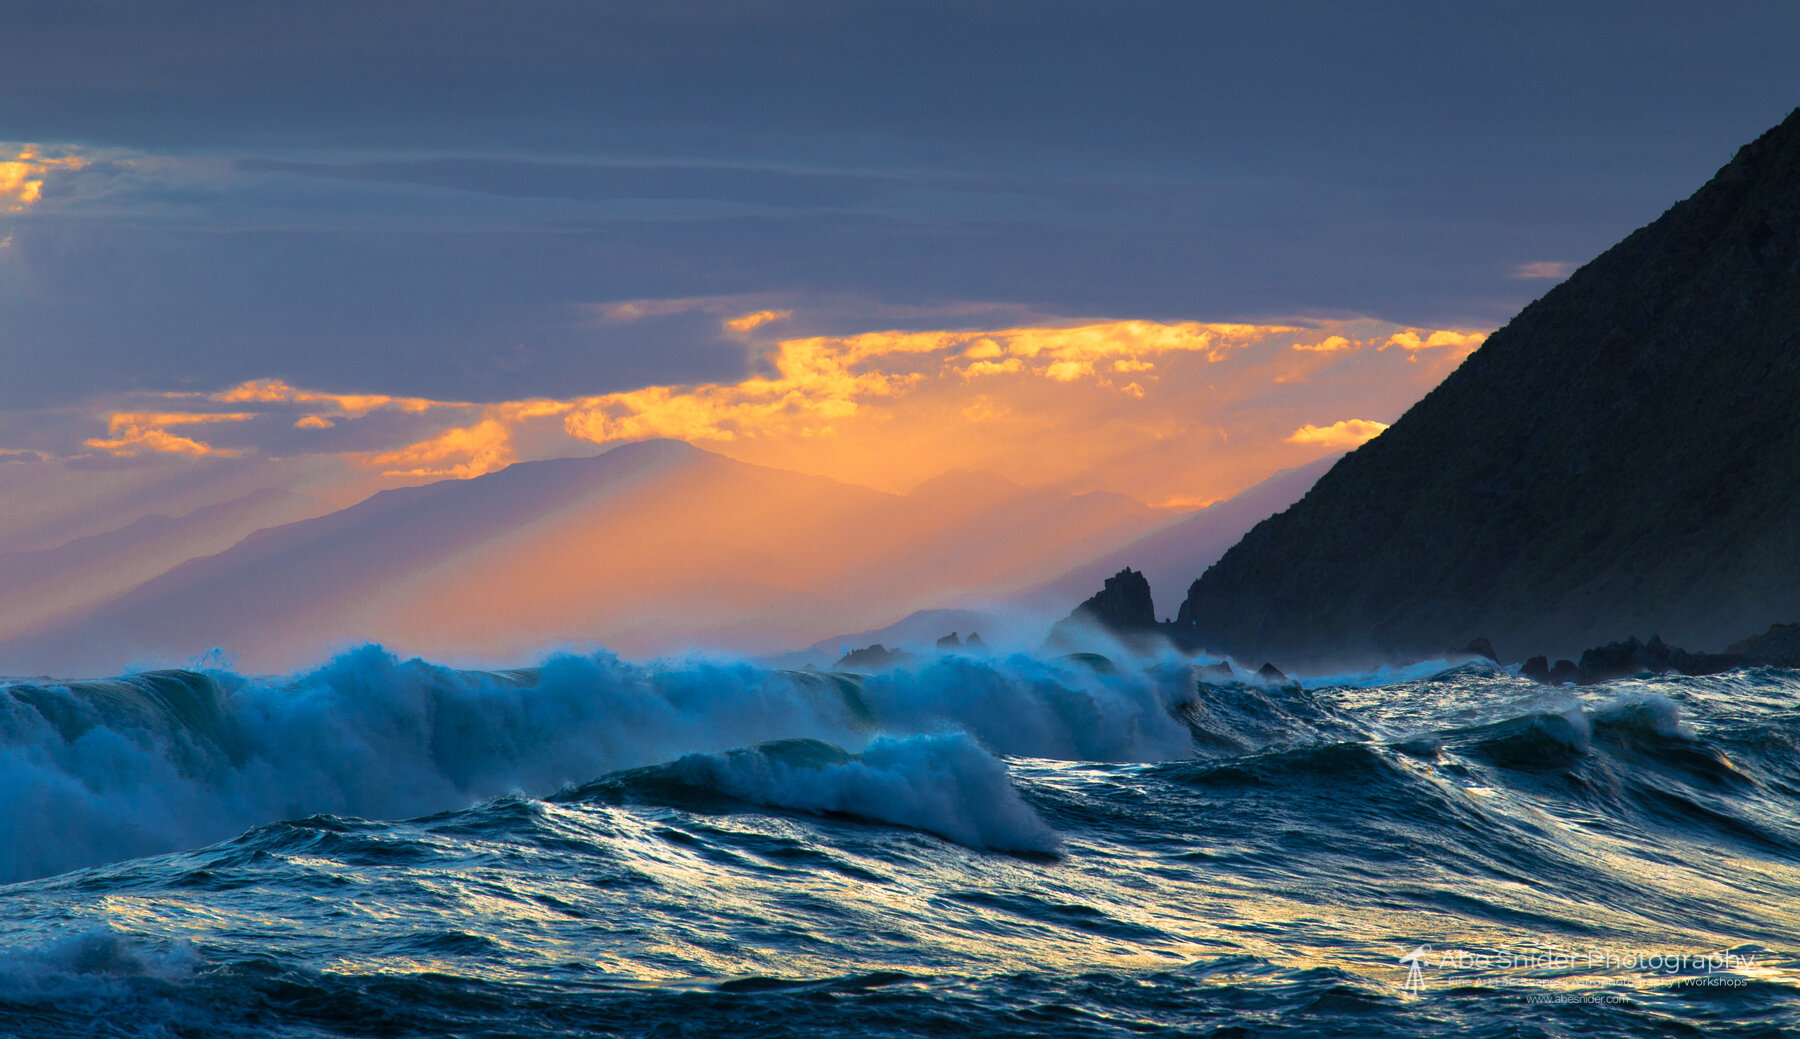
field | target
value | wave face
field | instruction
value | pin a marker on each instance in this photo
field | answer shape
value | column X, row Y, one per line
column 1014, row 846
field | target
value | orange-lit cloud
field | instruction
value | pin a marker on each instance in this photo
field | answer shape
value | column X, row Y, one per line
column 1426, row 339
column 1198, row 413
column 460, row 452
column 822, row 380
column 1545, row 269
column 624, row 312
column 749, row 322
column 1350, row 432
column 1182, row 412
column 351, row 405
column 488, row 443
column 134, row 432
column 22, row 172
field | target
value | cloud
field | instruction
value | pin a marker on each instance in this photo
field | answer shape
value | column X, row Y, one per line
column 1200, row 419
column 1166, row 411
column 137, row 431
column 625, row 312
column 757, row 320
column 826, row 378
column 461, row 452
column 23, row 169
column 352, row 405
column 1350, row 432
column 489, row 443
column 1427, row 339
column 1546, row 269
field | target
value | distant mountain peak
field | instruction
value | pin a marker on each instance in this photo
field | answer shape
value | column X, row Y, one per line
column 659, row 446
column 957, row 480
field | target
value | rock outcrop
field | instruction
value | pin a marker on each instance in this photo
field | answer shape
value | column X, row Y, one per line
column 871, row 658
column 1777, row 647
column 1631, row 657
column 1540, row 669
column 1122, row 607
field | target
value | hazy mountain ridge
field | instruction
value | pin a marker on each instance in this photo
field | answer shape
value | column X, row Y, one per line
column 1169, row 557
column 1621, row 457
column 38, row 587
column 1019, row 622
column 647, row 548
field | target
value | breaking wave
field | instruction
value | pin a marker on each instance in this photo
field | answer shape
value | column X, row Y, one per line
column 153, row 762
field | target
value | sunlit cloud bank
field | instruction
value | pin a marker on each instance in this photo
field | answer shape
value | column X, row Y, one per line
column 132, row 432
column 1351, row 432
column 1177, row 413
column 23, row 170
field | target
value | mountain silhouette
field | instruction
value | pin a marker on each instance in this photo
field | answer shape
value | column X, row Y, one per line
column 1622, row 457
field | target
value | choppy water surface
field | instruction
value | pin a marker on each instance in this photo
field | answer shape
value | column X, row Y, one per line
column 1009, row 847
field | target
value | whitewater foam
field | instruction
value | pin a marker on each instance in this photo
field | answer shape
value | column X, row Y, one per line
column 91, row 962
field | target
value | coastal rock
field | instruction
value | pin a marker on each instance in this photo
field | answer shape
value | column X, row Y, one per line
column 1269, row 673
column 1481, row 647
column 871, row 658
column 1628, row 658
column 1122, row 607
column 1538, row 669
column 1777, row 647
column 1216, row 674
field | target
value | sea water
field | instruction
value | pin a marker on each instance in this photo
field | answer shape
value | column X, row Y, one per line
column 961, row 845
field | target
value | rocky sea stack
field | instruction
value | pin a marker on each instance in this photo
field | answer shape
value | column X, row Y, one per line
column 1622, row 456
column 1122, row 607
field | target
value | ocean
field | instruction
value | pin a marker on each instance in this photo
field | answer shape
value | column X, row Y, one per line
column 961, row 845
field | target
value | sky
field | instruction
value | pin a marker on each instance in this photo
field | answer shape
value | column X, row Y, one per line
column 1162, row 249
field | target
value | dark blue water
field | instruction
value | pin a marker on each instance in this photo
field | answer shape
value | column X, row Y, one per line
column 966, row 846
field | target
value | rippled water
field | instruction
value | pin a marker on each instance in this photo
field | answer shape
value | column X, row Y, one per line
column 1004, row 847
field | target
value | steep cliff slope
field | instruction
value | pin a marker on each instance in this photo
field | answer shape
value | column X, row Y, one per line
column 1623, row 456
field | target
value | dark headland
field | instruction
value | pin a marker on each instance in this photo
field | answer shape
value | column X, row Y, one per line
column 1623, row 457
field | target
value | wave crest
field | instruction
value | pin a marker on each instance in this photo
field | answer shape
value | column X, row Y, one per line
column 97, row 771
column 944, row 784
